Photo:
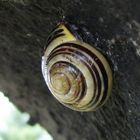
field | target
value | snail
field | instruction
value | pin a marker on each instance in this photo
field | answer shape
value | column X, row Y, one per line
column 76, row 73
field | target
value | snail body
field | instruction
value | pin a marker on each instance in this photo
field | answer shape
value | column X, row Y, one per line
column 77, row 74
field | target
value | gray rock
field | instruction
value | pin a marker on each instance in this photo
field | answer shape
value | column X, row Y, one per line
column 115, row 29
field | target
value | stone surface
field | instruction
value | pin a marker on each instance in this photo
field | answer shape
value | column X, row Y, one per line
column 115, row 29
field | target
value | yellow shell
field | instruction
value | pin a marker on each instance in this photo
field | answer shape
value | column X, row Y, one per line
column 76, row 73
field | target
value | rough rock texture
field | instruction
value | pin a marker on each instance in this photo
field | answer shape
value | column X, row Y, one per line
column 115, row 26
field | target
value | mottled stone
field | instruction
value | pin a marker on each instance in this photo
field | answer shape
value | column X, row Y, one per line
column 112, row 25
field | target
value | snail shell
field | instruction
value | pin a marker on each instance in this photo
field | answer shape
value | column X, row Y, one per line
column 77, row 74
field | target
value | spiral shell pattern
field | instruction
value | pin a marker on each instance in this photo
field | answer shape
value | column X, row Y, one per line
column 76, row 73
